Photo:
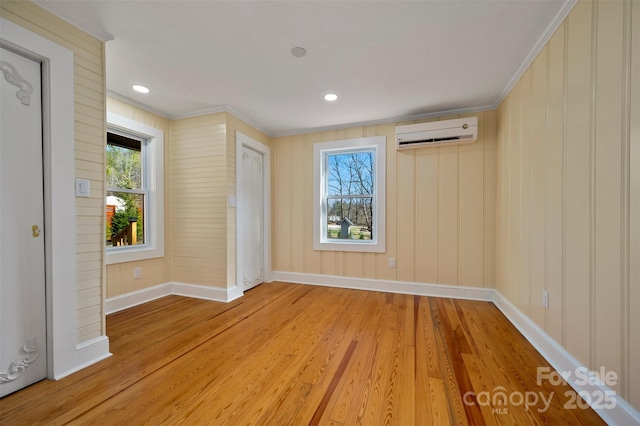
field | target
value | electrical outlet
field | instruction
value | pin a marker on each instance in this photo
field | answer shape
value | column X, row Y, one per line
column 545, row 299
column 136, row 272
column 392, row 262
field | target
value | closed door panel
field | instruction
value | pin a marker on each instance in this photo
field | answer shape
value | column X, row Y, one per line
column 22, row 265
column 252, row 221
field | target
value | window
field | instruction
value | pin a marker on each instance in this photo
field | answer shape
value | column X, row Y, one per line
column 126, row 190
column 135, row 195
column 349, row 195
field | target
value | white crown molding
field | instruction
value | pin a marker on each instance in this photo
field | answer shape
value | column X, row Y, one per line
column 271, row 134
column 542, row 41
column 200, row 112
column 136, row 104
column 98, row 33
column 385, row 121
column 229, row 110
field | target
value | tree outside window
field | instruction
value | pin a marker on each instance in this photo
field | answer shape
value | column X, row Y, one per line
column 350, row 191
column 349, row 195
column 125, row 191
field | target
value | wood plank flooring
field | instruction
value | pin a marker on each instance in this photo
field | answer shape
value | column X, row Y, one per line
column 287, row 354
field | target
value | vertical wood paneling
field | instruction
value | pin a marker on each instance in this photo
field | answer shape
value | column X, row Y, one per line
column 393, row 210
column 89, row 107
column 428, row 177
column 512, row 265
column 607, row 191
column 471, row 198
column 490, row 197
column 501, row 198
column 448, row 216
column 538, row 187
column 554, row 254
column 525, row 192
column 584, row 180
column 312, row 258
column 632, row 303
column 578, row 242
column 439, row 213
column 406, row 199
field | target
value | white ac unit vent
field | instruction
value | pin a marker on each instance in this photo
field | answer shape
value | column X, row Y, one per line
column 437, row 133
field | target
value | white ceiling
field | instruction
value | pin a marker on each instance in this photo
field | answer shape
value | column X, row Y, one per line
column 387, row 60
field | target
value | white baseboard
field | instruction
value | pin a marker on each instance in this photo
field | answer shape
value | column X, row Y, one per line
column 561, row 360
column 217, row 294
column 129, row 300
column 402, row 287
column 88, row 353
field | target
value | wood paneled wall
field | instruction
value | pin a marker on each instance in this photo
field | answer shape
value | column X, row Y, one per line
column 89, row 102
column 568, row 191
column 440, row 212
column 203, row 168
column 153, row 271
column 199, row 200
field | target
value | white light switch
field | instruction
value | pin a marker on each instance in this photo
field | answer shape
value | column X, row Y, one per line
column 83, row 187
column 233, row 202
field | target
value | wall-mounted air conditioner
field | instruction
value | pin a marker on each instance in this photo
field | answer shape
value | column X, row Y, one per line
column 437, row 133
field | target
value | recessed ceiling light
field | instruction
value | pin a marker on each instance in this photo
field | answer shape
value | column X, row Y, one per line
column 140, row 89
column 331, row 97
column 298, row 52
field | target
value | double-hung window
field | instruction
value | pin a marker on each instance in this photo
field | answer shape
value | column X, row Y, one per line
column 127, row 193
column 134, row 217
column 349, row 195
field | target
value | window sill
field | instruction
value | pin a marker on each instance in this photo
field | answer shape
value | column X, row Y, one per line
column 378, row 247
column 126, row 254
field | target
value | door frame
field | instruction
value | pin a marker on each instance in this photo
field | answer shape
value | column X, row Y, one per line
column 59, row 196
column 246, row 141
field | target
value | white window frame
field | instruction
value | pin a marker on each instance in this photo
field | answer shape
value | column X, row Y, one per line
column 153, row 170
column 377, row 144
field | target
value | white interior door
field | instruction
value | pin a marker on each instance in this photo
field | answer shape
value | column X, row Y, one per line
column 22, row 262
column 252, row 224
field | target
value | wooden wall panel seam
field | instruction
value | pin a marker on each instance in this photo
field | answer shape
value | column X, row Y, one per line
column 592, row 183
column 625, row 231
column 565, row 88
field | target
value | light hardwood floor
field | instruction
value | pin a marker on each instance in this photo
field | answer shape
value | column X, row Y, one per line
column 287, row 354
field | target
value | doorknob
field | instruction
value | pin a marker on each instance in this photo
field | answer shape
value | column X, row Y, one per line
column 35, row 231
